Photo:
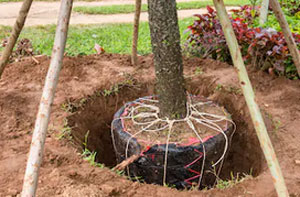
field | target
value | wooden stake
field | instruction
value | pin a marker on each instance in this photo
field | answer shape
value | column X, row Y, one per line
column 18, row 26
column 138, row 4
column 287, row 33
column 249, row 95
column 43, row 116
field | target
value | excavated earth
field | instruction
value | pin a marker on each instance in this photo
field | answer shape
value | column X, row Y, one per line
column 85, row 102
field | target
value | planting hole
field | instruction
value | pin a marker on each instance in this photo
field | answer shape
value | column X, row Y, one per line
column 244, row 156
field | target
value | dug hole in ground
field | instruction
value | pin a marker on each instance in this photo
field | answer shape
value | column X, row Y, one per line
column 182, row 153
column 90, row 91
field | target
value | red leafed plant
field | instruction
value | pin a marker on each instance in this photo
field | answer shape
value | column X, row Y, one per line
column 206, row 38
column 247, row 12
column 264, row 48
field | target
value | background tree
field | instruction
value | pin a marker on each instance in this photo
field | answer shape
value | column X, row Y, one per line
column 165, row 40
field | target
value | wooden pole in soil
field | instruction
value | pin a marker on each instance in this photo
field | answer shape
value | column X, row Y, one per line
column 138, row 4
column 264, row 12
column 43, row 116
column 287, row 33
column 18, row 26
column 247, row 89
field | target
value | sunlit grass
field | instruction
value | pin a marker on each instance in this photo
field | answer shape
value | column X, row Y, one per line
column 114, row 38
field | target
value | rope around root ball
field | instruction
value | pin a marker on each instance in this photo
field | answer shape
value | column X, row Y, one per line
column 193, row 114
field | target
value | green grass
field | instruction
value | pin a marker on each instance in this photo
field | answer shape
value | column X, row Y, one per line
column 4, row 32
column 224, row 184
column 114, row 38
column 293, row 22
column 118, row 9
column 90, row 156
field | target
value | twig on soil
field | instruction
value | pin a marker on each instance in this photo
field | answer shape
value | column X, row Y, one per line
column 121, row 166
column 35, row 60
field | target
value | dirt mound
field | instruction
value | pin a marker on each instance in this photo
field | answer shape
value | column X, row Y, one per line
column 85, row 100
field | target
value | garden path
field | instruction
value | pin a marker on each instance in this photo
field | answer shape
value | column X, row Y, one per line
column 44, row 13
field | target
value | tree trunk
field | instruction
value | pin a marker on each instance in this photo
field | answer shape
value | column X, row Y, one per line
column 264, row 12
column 165, row 40
column 138, row 4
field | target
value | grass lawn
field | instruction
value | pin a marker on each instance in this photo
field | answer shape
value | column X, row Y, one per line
column 117, row 9
column 114, row 38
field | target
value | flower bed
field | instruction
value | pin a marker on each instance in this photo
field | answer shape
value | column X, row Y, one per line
column 264, row 48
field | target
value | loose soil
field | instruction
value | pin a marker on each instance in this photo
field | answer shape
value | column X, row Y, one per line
column 81, row 91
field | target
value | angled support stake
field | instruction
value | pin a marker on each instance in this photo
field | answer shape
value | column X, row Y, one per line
column 18, row 26
column 43, row 116
column 249, row 95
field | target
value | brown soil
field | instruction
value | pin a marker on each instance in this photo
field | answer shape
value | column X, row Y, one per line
column 65, row 173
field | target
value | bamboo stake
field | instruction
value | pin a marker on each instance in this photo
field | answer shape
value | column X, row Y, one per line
column 41, row 124
column 287, row 33
column 18, row 26
column 247, row 89
column 138, row 4
column 264, row 11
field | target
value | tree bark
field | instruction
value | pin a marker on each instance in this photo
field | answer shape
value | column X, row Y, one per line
column 264, row 12
column 165, row 40
column 138, row 4
column 287, row 33
column 18, row 26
